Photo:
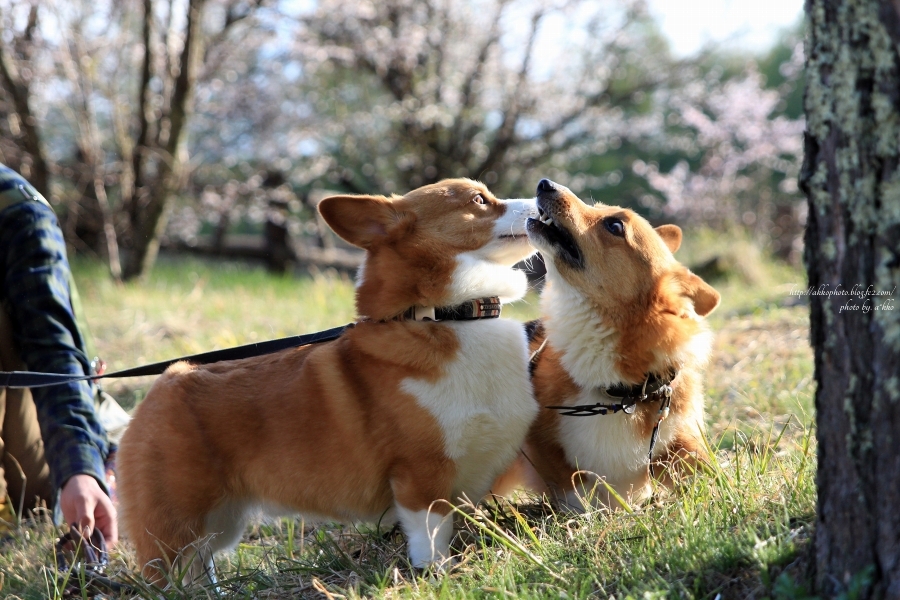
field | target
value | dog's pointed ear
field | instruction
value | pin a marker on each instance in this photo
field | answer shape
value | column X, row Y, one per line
column 705, row 298
column 671, row 235
column 360, row 220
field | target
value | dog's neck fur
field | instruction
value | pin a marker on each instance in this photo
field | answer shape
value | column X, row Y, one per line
column 589, row 342
column 586, row 343
column 477, row 278
column 472, row 277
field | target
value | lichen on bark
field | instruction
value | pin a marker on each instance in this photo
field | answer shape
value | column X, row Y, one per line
column 851, row 176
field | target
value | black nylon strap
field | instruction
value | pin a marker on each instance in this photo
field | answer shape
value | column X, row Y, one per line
column 479, row 308
column 29, row 379
column 590, row 410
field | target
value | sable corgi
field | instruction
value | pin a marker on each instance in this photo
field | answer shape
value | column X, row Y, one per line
column 401, row 411
column 622, row 333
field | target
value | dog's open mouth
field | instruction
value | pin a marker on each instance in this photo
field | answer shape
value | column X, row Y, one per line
column 546, row 230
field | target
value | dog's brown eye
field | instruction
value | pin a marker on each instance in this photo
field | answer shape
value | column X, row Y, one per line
column 479, row 199
column 615, row 226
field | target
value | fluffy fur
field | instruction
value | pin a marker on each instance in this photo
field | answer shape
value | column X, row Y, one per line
column 393, row 416
column 617, row 306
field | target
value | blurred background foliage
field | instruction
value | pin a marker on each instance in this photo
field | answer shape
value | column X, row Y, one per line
column 215, row 126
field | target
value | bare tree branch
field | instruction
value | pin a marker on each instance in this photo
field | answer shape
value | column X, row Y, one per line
column 20, row 93
column 237, row 12
column 74, row 60
column 474, row 76
column 516, row 102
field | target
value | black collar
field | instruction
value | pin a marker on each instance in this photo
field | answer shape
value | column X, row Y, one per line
column 656, row 388
column 648, row 391
column 470, row 310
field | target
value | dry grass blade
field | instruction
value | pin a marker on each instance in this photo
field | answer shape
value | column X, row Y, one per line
column 477, row 517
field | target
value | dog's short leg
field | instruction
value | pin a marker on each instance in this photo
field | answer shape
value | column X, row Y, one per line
column 427, row 523
column 223, row 527
column 428, row 533
column 201, row 570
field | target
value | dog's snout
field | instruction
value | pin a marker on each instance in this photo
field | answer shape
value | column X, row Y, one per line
column 545, row 185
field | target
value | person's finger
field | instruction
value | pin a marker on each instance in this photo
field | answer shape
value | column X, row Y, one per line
column 84, row 515
column 105, row 517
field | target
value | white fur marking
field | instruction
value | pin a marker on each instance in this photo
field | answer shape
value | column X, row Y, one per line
column 486, row 272
column 483, row 403
column 510, row 243
column 607, row 444
column 361, row 273
column 476, row 278
column 225, row 524
column 428, row 535
column 202, row 568
column 613, row 445
column 587, row 344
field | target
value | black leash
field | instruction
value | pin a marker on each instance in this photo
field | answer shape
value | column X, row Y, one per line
column 478, row 308
column 655, row 388
column 661, row 416
column 29, row 379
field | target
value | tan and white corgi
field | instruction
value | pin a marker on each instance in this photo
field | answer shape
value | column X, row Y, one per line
column 620, row 346
column 398, row 413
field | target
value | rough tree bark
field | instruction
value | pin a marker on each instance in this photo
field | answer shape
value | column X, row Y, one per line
column 851, row 177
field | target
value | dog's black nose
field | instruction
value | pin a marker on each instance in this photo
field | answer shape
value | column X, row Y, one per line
column 545, row 185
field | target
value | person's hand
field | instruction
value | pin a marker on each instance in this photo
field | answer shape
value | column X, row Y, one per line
column 85, row 505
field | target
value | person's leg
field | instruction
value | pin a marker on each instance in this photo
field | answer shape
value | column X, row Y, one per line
column 24, row 466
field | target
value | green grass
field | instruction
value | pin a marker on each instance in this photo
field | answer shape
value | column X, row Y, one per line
column 730, row 532
column 192, row 306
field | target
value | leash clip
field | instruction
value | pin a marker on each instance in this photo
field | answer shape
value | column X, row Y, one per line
column 424, row 313
column 664, row 408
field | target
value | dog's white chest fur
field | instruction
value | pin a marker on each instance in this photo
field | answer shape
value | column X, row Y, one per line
column 613, row 445
column 608, row 444
column 483, row 403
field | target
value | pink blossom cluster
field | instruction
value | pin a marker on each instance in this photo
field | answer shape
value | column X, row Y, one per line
column 748, row 156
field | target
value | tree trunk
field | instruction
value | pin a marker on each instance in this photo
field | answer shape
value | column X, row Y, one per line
column 151, row 218
column 851, row 177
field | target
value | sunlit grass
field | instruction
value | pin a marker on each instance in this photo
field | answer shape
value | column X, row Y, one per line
column 192, row 306
column 731, row 530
